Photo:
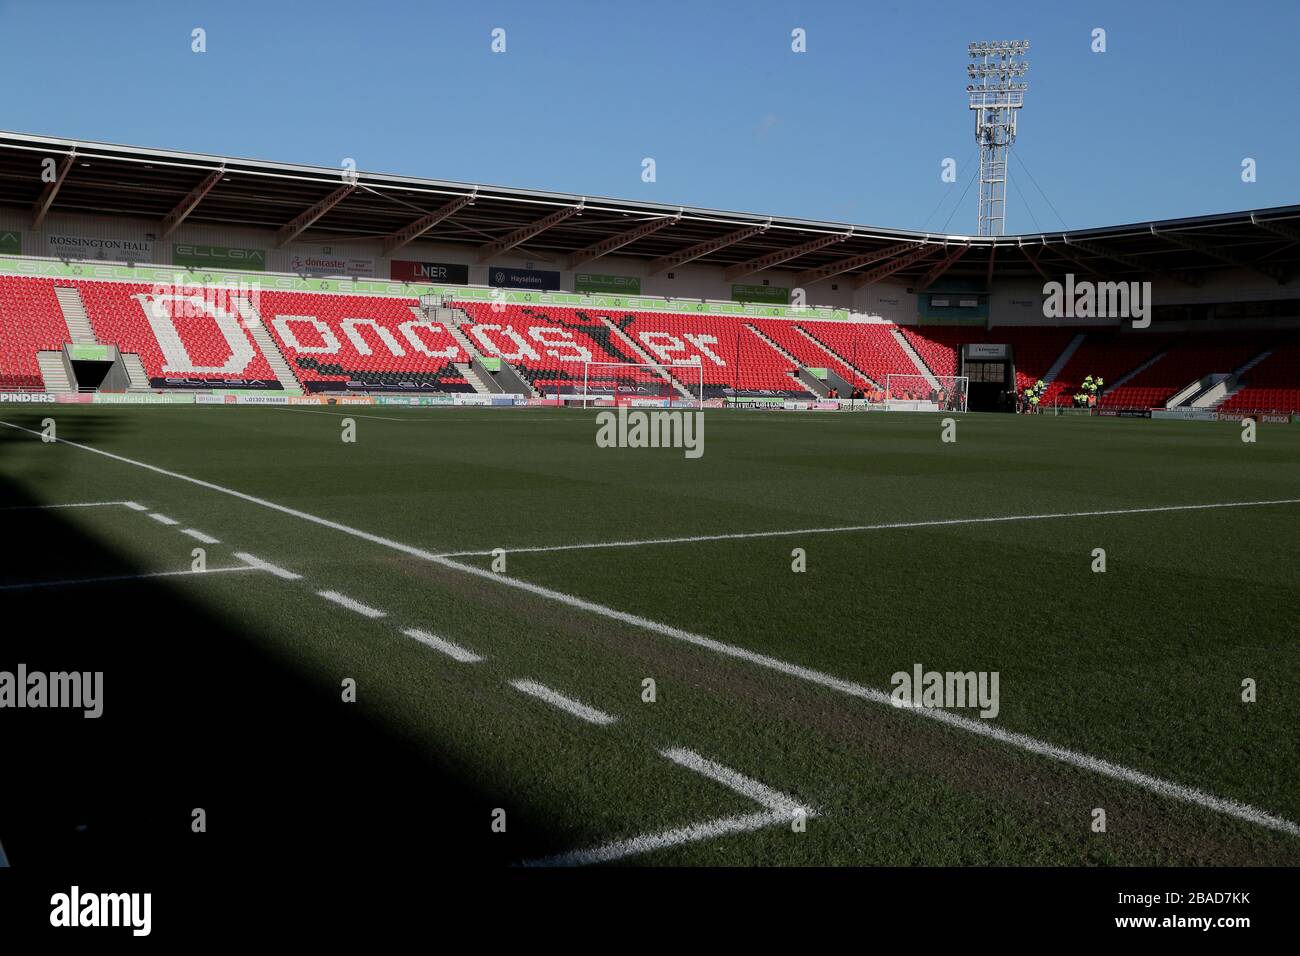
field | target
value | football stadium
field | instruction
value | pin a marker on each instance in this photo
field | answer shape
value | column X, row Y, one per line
column 354, row 515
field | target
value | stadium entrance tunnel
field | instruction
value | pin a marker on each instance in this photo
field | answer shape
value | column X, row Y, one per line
column 89, row 376
column 992, row 384
column 199, row 712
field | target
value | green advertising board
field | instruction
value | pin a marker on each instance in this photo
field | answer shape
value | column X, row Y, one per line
column 11, row 243
column 195, row 256
column 491, row 362
column 275, row 282
column 817, row 373
column 760, row 293
column 612, row 285
column 90, row 353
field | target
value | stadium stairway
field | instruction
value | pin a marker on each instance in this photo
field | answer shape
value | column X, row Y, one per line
column 1221, row 391
column 835, row 355
column 1061, row 360
column 274, row 357
column 805, row 378
column 910, row 351
column 54, row 372
column 74, row 313
column 645, row 357
column 451, row 320
column 135, row 372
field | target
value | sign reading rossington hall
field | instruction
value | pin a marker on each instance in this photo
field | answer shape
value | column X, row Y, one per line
column 89, row 247
column 508, row 277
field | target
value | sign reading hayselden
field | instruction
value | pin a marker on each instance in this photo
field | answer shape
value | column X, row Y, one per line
column 508, row 277
column 405, row 270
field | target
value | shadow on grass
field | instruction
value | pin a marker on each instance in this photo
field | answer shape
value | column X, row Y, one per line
column 197, row 714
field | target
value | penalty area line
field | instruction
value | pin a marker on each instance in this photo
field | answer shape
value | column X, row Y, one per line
column 978, row 727
column 109, row 579
column 849, row 529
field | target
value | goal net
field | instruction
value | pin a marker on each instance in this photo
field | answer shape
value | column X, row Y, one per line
column 630, row 383
column 920, row 393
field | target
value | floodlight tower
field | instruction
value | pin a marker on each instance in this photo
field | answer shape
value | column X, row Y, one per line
column 996, row 95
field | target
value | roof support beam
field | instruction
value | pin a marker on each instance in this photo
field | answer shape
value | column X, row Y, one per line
column 709, row 246
column 414, row 230
column 606, row 246
column 52, row 188
column 303, row 221
column 854, row 262
column 524, row 233
column 1098, row 249
column 887, row 269
column 1208, row 249
column 190, row 202
column 988, row 277
column 1033, row 261
column 940, row 268
column 1275, row 226
column 742, row 269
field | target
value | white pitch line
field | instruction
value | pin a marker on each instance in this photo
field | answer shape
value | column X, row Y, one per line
column 135, row 506
column 553, row 697
column 200, row 536
column 365, row 610
column 760, row 794
column 636, row 846
column 163, row 519
column 312, row 411
column 454, row 651
column 778, row 808
column 70, row 582
column 846, row 529
column 256, row 562
column 1166, row 788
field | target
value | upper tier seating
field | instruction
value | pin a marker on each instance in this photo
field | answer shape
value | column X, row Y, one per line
column 787, row 335
column 372, row 342
column 549, row 345
column 1273, row 385
column 1034, row 350
column 869, row 347
column 1188, row 358
column 734, row 358
column 197, row 337
column 1110, row 355
column 31, row 321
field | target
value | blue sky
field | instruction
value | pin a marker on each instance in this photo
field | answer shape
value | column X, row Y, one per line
column 853, row 130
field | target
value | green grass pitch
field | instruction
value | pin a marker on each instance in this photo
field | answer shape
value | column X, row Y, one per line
column 228, row 686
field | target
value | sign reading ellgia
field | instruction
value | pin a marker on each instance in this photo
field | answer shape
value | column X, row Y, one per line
column 196, row 256
column 11, row 243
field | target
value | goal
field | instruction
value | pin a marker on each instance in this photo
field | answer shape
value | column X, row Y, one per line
column 648, row 383
column 920, row 393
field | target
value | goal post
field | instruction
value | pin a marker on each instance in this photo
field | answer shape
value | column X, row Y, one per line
column 921, row 393
column 615, row 383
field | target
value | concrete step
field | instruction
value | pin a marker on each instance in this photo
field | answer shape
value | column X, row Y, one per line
column 1066, row 354
column 135, row 372
column 921, row 368
column 641, row 353
column 472, row 377
column 54, row 372
column 74, row 313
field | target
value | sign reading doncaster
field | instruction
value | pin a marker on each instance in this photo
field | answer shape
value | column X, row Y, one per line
column 613, row 285
column 196, row 256
column 89, row 247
